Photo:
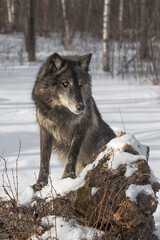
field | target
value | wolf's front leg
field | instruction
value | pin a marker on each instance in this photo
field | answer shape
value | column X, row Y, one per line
column 46, row 142
column 77, row 141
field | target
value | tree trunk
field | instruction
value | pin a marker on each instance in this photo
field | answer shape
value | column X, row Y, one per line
column 12, row 14
column 30, row 41
column 106, row 31
column 120, row 21
column 144, row 48
column 89, row 15
column 10, row 11
column 66, row 25
column 16, row 14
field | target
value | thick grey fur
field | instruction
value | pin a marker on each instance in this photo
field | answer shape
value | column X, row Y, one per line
column 67, row 116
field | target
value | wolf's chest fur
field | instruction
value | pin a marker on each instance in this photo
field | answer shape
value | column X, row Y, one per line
column 62, row 128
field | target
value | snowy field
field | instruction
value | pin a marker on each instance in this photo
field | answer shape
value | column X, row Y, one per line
column 124, row 105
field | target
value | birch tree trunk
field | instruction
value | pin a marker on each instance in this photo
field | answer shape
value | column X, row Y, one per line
column 106, row 31
column 30, row 42
column 66, row 25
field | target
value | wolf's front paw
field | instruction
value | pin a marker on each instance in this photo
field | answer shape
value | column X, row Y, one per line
column 69, row 174
column 69, row 171
column 38, row 186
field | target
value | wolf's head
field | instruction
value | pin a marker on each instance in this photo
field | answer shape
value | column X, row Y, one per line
column 64, row 81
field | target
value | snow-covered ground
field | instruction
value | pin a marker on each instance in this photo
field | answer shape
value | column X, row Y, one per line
column 124, row 105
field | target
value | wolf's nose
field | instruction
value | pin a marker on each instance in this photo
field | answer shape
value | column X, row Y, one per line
column 80, row 107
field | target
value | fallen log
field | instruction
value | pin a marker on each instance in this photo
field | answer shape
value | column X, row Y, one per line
column 117, row 197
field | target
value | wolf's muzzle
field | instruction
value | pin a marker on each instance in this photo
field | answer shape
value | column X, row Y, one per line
column 80, row 107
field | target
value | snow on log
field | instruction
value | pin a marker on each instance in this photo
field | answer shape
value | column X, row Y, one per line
column 115, row 195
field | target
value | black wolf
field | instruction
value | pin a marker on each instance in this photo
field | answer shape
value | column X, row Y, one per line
column 67, row 115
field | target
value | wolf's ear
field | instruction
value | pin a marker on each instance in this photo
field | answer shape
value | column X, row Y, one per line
column 55, row 62
column 84, row 61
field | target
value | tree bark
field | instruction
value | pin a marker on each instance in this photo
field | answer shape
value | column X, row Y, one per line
column 120, row 21
column 106, row 31
column 10, row 11
column 66, row 25
column 12, row 14
column 89, row 15
column 30, row 40
column 144, row 48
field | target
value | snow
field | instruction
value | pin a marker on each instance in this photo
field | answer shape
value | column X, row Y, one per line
column 118, row 143
column 124, row 104
column 73, row 230
column 61, row 186
column 130, row 170
column 94, row 190
column 119, row 158
column 133, row 191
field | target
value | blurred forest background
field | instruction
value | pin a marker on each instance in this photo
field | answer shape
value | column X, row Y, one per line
column 126, row 33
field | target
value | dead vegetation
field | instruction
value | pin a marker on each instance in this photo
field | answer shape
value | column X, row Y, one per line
column 107, row 208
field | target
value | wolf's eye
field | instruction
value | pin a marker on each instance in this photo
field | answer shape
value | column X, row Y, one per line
column 66, row 84
column 81, row 84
